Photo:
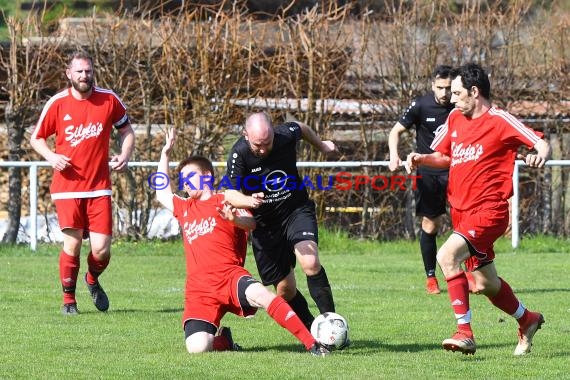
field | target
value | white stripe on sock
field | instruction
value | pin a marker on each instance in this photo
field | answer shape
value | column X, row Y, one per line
column 463, row 318
column 520, row 311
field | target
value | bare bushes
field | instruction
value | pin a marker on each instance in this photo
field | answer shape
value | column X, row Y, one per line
column 204, row 69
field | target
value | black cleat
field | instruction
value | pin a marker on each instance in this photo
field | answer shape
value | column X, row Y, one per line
column 100, row 299
column 319, row 349
column 69, row 309
column 227, row 333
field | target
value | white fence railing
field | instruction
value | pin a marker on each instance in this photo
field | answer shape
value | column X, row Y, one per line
column 33, row 167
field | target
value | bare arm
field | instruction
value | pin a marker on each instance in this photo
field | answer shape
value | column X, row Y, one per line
column 542, row 155
column 164, row 195
column 240, row 200
column 393, row 141
column 58, row 161
column 435, row 160
column 312, row 138
column 121, row 161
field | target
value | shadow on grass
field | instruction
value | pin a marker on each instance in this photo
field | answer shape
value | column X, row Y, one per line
column 357, row 347
column 549, row 290
column 171, row 310
column 361, row 347
column 128, row 311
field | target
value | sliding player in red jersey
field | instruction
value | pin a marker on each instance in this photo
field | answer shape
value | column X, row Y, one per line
column 82, row 118
column 215, row 243
column 479, row 145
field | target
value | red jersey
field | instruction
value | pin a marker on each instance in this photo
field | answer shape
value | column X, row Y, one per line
column 482, row 151
column 82, row 130
column 212, row 244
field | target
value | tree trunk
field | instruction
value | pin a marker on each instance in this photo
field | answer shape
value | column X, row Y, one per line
column 15, row 136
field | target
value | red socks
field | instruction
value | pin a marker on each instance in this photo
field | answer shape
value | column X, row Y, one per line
column 95, row 268
column 506, row 300
column 282, row 313
column 458, row 290
column 68, row 270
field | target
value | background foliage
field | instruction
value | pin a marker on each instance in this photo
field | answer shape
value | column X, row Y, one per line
column 202, row 68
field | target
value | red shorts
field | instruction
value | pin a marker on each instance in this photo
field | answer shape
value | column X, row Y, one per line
column 87, row 214
column 210, row 298
column 481, row 227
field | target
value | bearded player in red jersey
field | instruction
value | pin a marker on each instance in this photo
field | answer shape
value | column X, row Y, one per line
column 479, row 145
column 82, row 118
column 215, row 243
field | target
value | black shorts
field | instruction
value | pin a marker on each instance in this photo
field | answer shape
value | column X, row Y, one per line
column 274, row 245
column 431, row 194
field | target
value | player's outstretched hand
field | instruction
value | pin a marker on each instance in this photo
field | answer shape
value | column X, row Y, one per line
column 170, row 138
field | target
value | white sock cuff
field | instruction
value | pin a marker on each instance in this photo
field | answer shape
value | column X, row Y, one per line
column 520, row 311
column 463, row 318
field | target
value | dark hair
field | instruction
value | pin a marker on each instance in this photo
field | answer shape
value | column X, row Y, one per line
column 79, row 54
column 473, row 75
column 441, row 72
column 203, row 163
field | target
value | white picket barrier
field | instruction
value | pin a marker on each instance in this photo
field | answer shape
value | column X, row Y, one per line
column 33, row 167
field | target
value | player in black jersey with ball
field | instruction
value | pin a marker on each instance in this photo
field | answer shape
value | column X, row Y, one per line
column 426, row 114
column 264, row 160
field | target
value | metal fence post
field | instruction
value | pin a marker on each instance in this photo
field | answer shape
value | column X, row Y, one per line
column 33, row 206
column 515, row 207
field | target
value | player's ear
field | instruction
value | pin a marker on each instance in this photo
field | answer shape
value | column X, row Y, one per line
column 475, row 91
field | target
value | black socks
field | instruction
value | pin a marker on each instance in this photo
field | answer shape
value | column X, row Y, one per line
column 320, row 290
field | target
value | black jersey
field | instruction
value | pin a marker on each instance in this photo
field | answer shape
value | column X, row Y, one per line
column 275, row 175
column 427, row 116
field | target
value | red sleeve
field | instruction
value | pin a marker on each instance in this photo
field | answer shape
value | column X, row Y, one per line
column 180, row 204
column 46, row 125
column 119, row 117
column 516, row 133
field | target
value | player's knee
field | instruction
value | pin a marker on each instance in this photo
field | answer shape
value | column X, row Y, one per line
column 259, row 296
column 100, row 245
column 310, row 265
column 199, row 342
column 443, row 258
column 431, row 225
column 101, row 254
column 286, row 291
column 72, row 247
column 487, row 287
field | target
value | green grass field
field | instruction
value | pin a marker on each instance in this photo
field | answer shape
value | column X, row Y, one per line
column 396, row 328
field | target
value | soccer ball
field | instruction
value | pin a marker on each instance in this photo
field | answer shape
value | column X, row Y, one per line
column 330, row 329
